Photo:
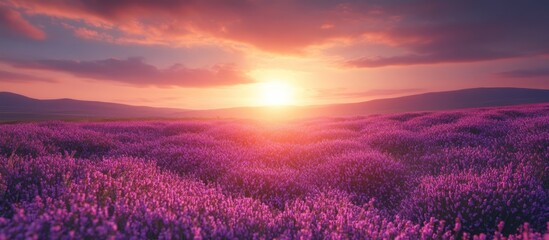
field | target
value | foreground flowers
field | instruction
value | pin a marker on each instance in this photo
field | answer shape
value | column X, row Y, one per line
column 418, row 175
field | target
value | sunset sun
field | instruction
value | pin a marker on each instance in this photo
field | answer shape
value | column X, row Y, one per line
column 276, row 93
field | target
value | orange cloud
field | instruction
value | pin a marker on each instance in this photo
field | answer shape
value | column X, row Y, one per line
column 275, row 26
column 13, row 21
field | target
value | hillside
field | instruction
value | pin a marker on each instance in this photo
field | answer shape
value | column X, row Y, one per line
column 14, row 107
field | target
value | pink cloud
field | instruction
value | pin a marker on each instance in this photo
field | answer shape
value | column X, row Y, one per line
column 135, row 71
column 7, row 76
column 526, row 73
column 14, row 22
column 87, row 33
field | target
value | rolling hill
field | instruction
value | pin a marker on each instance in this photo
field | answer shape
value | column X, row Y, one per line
column 14, row 107
column 434, row 101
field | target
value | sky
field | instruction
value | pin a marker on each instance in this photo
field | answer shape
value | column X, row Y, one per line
column 201, row 54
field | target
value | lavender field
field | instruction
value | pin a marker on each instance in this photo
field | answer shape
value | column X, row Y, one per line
column 459, row 174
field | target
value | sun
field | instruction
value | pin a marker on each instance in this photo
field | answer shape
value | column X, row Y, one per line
column 276, row 93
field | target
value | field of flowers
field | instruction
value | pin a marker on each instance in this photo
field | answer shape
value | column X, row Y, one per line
column 460, row 174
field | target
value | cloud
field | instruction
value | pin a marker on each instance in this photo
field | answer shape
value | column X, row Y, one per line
column 525, row 73
column 422, row 32
column 462, row 31
column 15, row 23
column 430, row 58
column 135, row 71
column 87, row 33
column 6, row 76
column 275, row 26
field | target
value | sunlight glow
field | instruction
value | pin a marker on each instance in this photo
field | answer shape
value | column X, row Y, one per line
column 276, row 93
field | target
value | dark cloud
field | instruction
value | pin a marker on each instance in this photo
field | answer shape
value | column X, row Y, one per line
column 6, row 76
column 429, row 58
column 463, row 31
column 12, row 21
column 526, row 73
column 135, row 71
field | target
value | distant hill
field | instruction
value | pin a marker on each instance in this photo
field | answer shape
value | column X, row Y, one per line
column 14, row 107
column 449, row 100
column 434, row 101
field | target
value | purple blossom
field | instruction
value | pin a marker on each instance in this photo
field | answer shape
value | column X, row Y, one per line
column 473, row 174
